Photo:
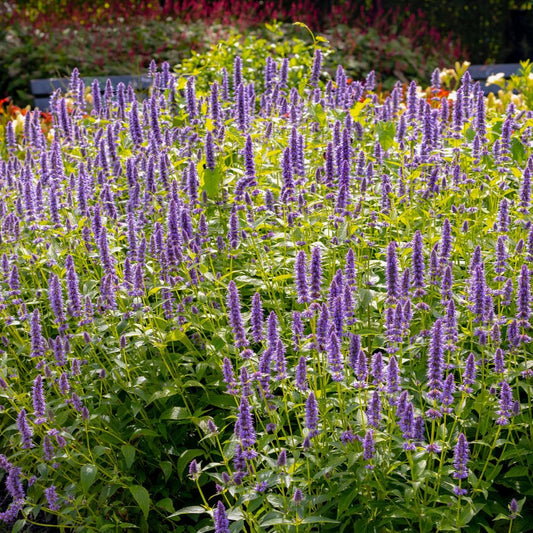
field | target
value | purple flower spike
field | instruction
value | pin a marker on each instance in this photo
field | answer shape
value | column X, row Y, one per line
column 220, row 519
column 257, row 318
column 393, row 285
column 315, row 72
column 315, row 273
column 56, row 298
column 39, row 404
column 234, row 314
column 246, row 431
column 436, row 361
column 25, row 431
column 229, row 377
column 301, row 374
column 311, row 415
column 301, row 277
column 373, row 412
column 506, row 404
column 392, row 376
column 523, row 299
column 335, row 358
column 461, row 458
column 369, row 448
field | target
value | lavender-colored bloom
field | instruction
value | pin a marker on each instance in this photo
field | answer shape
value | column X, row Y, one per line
column 190, row 97
column 523, row 298
column 233, row 233
column 513, row 509
column 39, row 404
column 37, row 347
column 246, row 431
column 297, row 497
column 369, row 448
column 301, row 374
column 435, row 360
column 229, row 377
column 56, row 298
column 448, row 389
column 51, row 498
column 349, row 268
column 461, row 454
column 257, row 318
column 504, row 219
column 311, row 415
column 272, row 330
column 373, row 412
column 73, row 288
column 26, row 432
column 506, row 404
column 499, row 361
column 392, row 376
column 392, row 271
column 315, row 273
column 355, row 349
column 377, row 368
column 446, row 242
column 234, row 315
column 220, row 519
column 297, row 330
column 282, row 458
column 315, row 72
column 281, row 364
column 335, row 357
column 418, row 265
column 301, row 277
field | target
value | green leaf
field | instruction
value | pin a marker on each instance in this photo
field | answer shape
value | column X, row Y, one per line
column 142, row 497
column 386, row 132
column 87, row 476
column 166, row 505
column 175, row 413
column 192, row 509
column 211, row 182
column 128, row 451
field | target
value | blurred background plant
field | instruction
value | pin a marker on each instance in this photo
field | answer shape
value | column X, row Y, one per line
column 44, row 38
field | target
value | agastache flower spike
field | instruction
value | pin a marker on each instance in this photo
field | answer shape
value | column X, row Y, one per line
column 435, row 360
column 315, row 273
column 301, row 374
column 229, row 377
column 246, row 431
column 392, row 271
column 506, row 404
column 335, row 358
column 257, row 318
column 234, row 309
column 369, row 448
column 25, row 431
column 523, row 298
column 39, row 404
column 220, row 519
column 373, row 412
column 461, row 454
column 315, row 72
column 301, row 277
column 311, row 415
column 37, row 347
column 392, row 376
column 56, row 298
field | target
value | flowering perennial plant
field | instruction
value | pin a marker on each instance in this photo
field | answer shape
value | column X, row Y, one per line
column 283, row 307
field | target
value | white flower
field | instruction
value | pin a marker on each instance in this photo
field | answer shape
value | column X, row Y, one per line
column 495, row 79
